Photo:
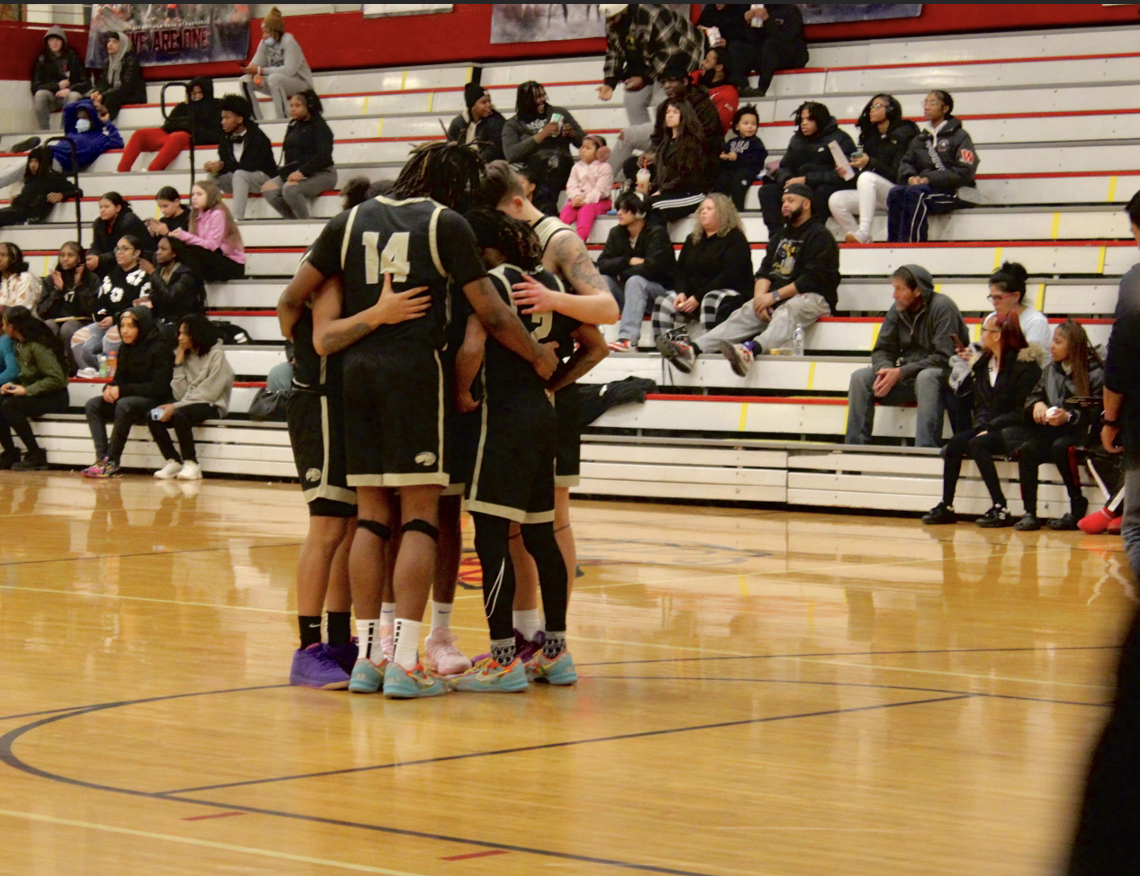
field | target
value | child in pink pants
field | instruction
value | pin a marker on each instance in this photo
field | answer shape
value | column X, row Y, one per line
column 588, row 189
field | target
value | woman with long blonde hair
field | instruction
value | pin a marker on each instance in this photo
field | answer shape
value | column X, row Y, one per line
column 212, row 246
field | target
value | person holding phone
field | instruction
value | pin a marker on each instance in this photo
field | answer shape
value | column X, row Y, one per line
column 541, row 135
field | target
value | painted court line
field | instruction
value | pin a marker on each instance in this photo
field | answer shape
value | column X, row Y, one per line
column 485, row 854
column 206, row 844
column 144, row 599
column 215, row 815
column 961, row 674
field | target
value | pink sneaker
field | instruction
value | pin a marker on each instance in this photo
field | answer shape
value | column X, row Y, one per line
column 442, row 656
column 388, row 641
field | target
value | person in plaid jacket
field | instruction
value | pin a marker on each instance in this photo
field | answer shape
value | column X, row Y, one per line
column 641, row 41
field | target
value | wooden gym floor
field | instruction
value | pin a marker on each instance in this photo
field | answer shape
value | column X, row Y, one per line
column 763, row 693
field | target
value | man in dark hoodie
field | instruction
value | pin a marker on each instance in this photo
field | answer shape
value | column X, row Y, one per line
column 59, row 77
column 541, row 135
column 910, row 360
column 480, row 124
column 798, row 282
column 198, row 116
column 935, row 175
column 245, row 155
column 142, row 378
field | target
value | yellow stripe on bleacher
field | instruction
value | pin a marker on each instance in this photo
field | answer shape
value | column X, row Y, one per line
column 364, row 109
column 937, row 287
column 403, row 80
column 997, row 258
column 1056, row 223
column 1111, row 188
column 1041, row 297
column 743, row 417
column 380, row 127
column 470, row 73
column 976, row 332
column 811, row 376
column 1100, row 259
column 431, row 100
column 875, row 333
column 47, row 262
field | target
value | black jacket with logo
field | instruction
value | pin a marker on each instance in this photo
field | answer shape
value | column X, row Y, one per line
column 807, row 256
column 948, row 161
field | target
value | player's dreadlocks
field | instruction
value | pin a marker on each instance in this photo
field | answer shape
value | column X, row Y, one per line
column 445, row 172
column 514, row 239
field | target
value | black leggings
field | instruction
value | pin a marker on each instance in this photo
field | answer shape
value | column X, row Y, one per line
column 981, row 447
column 1048, row 444
column 182, row 421
column 126, row 412
column 209, row 264
column 14, row 413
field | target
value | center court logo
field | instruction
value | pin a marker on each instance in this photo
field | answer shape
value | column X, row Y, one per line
column 425, row 458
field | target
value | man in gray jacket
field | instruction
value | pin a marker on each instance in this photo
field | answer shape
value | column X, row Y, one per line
column 910, row 360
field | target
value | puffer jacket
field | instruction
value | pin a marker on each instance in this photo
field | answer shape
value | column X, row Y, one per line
column 812, row 158
column 949, row 162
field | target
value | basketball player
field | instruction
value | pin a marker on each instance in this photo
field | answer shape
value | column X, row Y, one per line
column 565, row 256
column 393, row 379
column 512, row 480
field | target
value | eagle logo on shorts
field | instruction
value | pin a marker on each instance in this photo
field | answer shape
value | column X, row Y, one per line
column 313, row 474
column 425, row 458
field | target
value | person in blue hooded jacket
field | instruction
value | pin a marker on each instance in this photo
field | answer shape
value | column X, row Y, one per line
column 92, row 132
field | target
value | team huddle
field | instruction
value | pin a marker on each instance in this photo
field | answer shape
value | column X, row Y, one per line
column 438, row 329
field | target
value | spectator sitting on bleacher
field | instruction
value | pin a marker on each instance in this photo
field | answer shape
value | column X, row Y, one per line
column 480, row 125
column 201, row 386
column 777, row 43
column 637, row 263
column 59, row 77
column 116, row 219
column 714, row 272
column 742, row 159
column 197, row 116
column 1003, row 377
column 884, row 137
column 212, row 247
column 142, row 382
column 43, row 189
column 589, row 187
column 17, row 285
column 1057, row 425
column 67, row 295
column 797, row 283
column 939, row 164
column 278, row 68
column 175, row 289
column 122, row 285
column 174, row 214
column 9, row 364
column 910, row 360
column 40, row 388
column 731, row 25
column 307, row 160
column 533, row 135
column 91, row 139
column 685, row 167
column 713, row 76
column 642, row 40
column 1007, row 294
column 808, row 161
column 121, row 81
column 649, row 136
column 245, row 159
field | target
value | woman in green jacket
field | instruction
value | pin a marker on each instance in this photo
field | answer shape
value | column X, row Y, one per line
column 40, row 389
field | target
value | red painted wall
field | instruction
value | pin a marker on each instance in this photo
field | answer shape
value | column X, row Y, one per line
column 347, row 40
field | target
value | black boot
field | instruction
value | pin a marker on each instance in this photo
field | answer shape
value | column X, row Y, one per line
column 8, row 459
column 34, row 460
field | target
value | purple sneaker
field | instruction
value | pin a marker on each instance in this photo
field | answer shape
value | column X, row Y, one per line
column 315, row 667
column 344, row 655
column 524, row 648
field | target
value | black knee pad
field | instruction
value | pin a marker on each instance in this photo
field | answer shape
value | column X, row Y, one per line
column 423, row 526
column 377, row 528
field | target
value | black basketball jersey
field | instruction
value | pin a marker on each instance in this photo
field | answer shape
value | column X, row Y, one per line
column 504, row 369
column 417, row 241
column 311, row 370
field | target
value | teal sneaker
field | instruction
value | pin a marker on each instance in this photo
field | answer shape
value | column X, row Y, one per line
column 367, row 677
column 400, row 684
column 487, row 676
column 560, row 670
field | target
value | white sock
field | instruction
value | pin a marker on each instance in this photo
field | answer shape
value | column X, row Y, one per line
column 388, row 613
column 441, row 615
column 528, row 623
column 407, row 643
column 367, row 637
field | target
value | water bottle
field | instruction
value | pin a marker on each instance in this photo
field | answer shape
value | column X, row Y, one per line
column 798, row 340
column 102, row 365
column 112, row 363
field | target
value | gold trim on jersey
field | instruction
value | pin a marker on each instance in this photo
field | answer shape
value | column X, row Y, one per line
column 512, row 514
column 548, row 226
column 324, row 490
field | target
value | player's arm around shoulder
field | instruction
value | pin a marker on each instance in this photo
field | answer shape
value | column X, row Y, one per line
column 331, row 333
column 592, row 349
column 501, row 322
column 591, row 302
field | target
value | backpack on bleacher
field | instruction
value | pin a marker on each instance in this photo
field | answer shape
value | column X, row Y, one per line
column 230, row 333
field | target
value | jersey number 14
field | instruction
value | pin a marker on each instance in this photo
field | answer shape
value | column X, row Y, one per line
column 393, row 259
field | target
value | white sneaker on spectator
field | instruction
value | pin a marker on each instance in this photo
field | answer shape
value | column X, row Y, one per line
column 857, row 237
column 190, row 471
column 87, row 373
column 169, row 471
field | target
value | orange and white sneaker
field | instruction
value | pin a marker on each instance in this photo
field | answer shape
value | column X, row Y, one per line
column 558, row 670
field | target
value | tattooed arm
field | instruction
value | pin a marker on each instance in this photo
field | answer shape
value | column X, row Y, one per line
column 591, row 302
column 331, row 333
